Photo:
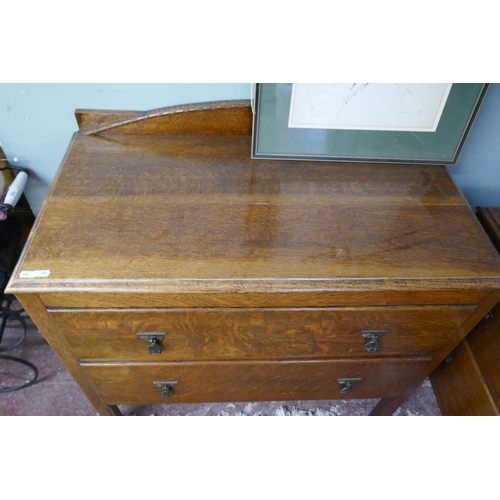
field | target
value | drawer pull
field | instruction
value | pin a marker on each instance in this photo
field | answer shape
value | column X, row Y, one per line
column 372, row 335
column 154, row 341
column 167, row 388
column 347, row 384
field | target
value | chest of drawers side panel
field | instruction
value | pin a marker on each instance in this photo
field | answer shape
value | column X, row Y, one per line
column 459, row 386
column 389, row 406
column 39, row 315
column 484, row 342
column 469, row 383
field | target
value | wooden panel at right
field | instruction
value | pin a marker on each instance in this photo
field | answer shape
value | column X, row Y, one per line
column 468, row 383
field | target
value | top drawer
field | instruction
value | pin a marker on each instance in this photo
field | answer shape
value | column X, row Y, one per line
column 268, row 299
column 216, row 334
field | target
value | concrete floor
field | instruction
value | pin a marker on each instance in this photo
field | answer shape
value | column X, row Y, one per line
column 56, row 393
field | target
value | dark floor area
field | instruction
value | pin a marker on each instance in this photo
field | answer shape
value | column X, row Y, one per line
column 56, row 393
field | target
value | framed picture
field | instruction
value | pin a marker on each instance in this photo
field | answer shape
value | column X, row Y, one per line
column 361, row 122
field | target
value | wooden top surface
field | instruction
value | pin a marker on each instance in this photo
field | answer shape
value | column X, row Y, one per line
column 195, row 212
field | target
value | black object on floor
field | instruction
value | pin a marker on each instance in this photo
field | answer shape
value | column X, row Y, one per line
column 15, row 373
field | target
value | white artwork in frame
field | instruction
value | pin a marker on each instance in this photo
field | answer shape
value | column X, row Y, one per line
column 405, row 107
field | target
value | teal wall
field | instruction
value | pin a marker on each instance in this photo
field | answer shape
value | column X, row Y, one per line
column 37, row 122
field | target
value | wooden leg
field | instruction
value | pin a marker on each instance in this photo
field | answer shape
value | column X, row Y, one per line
column 114, row 411
column 37, row 311
column 105, row 410
column 386, row 407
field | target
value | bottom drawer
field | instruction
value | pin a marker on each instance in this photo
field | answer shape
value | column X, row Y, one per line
column 156, row 383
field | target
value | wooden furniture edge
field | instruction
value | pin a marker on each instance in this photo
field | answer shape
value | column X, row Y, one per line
column 490, row 225
column 38, row 218
column 452, row 403
column 39, row 315
column 446, row 405
column 190, row 286
column 389, row 406
column 206, row 118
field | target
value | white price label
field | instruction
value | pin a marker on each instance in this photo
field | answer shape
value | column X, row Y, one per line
column 39, row 273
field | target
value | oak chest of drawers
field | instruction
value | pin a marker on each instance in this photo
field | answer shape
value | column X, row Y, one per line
column 168, row 266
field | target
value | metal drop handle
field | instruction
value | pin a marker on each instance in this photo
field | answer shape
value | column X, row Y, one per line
column 347, row 384
column 167, row 388
column 373, row 336
column 154, row 341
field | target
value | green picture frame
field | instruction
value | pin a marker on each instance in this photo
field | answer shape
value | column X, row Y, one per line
column 272, row 138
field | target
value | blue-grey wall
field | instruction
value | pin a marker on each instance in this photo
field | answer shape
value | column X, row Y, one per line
column 37, row 122
column 477, row 171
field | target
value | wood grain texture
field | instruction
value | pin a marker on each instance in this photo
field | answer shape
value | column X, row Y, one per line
column 211, row 334
column 460, row 387
column 194, row 216
column 251, row 381
column 207, row 118
column 261, row 271
column 470, row 384
column 490, row 219
column 273, row 297
column 493, row 297
column 484, row 342
column 482, row 358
